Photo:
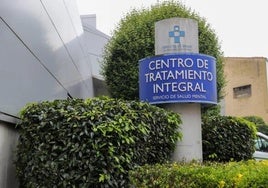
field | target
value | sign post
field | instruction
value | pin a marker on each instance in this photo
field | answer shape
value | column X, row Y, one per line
column 181, row 78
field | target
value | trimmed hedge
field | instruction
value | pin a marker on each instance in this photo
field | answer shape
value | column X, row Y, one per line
column 91, row 143
column 227, row 138
column 244, row 174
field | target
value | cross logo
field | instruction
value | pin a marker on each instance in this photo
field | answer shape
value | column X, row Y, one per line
column 176, row 34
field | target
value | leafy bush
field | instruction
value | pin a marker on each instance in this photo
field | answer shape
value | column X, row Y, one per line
column 244, row 174
column 227, row 138
column 259, row 122
column 133, row 40
column 91, row 143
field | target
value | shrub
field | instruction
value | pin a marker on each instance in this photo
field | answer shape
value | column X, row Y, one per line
column 259, row 122
column 91, row 143
column 227, row 138
column 244, row 174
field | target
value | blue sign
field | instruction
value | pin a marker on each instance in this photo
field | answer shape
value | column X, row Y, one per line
column 178, row 78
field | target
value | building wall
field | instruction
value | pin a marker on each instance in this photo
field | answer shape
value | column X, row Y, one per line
column 8, row 141
column 95, row 42
column 42, row 53
column 247, row 89
column 43, row 56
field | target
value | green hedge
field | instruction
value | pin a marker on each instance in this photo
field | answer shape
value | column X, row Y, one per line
column 91, row 143
column 246, row 174
column 227, row 138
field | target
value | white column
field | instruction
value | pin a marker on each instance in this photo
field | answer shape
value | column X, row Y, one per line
column 190, row 148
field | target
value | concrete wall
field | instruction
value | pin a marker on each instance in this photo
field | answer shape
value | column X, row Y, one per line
column 8, row 140
column 246, row 71
column 95, row 42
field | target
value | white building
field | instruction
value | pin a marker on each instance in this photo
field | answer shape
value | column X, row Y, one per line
column 94, row 43
column 46, row 53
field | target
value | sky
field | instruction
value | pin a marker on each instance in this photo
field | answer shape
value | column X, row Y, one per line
column 240, row 25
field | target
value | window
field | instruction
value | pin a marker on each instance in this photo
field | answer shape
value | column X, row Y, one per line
column 242, row 91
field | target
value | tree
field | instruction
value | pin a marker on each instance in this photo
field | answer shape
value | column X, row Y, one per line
column 259, row 122
column 133, row 39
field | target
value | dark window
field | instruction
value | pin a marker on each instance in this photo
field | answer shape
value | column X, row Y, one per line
column 242, row 91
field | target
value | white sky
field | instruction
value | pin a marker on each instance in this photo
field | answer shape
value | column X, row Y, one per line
column 241, row 25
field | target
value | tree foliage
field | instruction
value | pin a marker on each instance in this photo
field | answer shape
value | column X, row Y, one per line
column 133, row 40
column 259, row 122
